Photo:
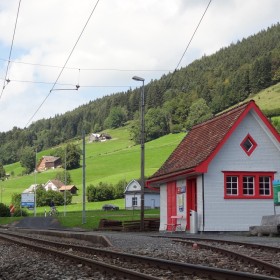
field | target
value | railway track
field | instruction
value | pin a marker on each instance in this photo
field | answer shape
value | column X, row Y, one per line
column 115, row 263
column 262, row 256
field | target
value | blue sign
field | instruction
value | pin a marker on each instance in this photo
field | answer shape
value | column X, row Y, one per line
column 28, row 200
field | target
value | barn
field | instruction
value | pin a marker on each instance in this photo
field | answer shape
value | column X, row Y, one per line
column 70, row 188
column 48, row 162
column 222, row 173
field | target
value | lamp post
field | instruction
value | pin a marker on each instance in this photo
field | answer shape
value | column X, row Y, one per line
column 139, row 79
column 35, row 185
column 65, row 180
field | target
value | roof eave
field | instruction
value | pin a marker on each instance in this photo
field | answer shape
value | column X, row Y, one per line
column 153, row 182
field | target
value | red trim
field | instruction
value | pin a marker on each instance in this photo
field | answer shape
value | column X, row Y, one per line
column 151, row 188
column 256, row 175
column 252, row 105
column 191, row 199
column 165, row 178
column 266, row 121
column 203, row 166
column 253, row 142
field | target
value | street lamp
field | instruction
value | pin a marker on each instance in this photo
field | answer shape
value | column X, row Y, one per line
column 142, row 151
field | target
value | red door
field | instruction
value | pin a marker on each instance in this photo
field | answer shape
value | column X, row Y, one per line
column 191, row 199
column 171, row 201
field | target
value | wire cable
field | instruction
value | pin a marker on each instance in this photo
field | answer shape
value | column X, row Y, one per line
column 64, row 64
column 173, row 73
column 193, row 35
column 88, row 69
column 64, row 84
column 6, row 80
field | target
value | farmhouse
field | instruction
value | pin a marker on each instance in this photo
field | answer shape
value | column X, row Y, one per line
column 96, row 137
column 133, row 196
column 222, row 173
column 48, row 162
column 53, row 185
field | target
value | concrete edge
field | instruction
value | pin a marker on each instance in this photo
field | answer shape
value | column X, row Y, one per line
column 95, row 239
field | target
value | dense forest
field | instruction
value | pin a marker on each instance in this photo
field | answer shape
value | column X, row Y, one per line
column 173, row 103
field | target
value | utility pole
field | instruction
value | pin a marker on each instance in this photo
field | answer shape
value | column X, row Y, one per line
column 84, row 181
column 65, row 182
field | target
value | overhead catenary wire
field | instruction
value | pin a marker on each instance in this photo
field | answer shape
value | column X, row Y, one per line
column 64, row 64
column 101, row 69
column 6, row 80
column 87, row 69
column 187, row 47
column 74, row 85
column 193, row 35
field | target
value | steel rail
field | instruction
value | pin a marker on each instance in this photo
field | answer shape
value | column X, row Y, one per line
column 262, row 264
column 252, row 245
column 100, row 266
column 184, row 268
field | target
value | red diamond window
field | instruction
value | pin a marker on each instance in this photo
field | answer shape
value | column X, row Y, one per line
column 248, row 145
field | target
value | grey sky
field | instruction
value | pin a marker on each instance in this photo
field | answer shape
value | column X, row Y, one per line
column 123, row 38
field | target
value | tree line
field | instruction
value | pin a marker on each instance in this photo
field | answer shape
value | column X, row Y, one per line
column 175, row 102
column 105, row 191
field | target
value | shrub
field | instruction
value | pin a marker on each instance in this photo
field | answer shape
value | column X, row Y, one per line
column 20, row 212
column 120, row 188
column 101, row 192
column 16, row 199
column 4, row 210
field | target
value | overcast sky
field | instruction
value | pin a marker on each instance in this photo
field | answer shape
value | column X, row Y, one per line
column 123, row 38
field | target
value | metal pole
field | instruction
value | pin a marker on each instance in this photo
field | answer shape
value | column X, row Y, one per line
column 35, row 179
column 142, row 157
column 84, row 181
column 142, row 205
column 65, row 183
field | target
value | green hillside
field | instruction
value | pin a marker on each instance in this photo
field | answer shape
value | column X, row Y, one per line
column 218, row 81
column 268, row 99
column 109, row 161
column 116, row 159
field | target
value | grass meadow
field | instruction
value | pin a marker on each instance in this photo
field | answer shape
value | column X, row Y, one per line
column 72, row 215
column 109, row 161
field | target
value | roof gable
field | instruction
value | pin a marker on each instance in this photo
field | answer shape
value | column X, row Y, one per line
column 203, row 142
column 68, row 188
column 55, row 182
column 133, row 186
column 50, row 158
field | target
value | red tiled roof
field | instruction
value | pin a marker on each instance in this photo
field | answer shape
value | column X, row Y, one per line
column 200, row 143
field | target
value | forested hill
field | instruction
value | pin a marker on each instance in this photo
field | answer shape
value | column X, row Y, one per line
column 174, row 102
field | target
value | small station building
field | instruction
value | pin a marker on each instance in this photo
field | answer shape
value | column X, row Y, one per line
column 222, row 172
column 133, row 196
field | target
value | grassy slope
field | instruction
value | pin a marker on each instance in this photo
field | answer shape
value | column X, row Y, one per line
column 108, row 161
column 118, row 158
column 269, row 98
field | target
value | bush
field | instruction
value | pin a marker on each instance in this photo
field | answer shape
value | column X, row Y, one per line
column 16, row 199
column 20, row 212
column 101, row 192
column 4, row 210
column 43, row 197
column 120, row 188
